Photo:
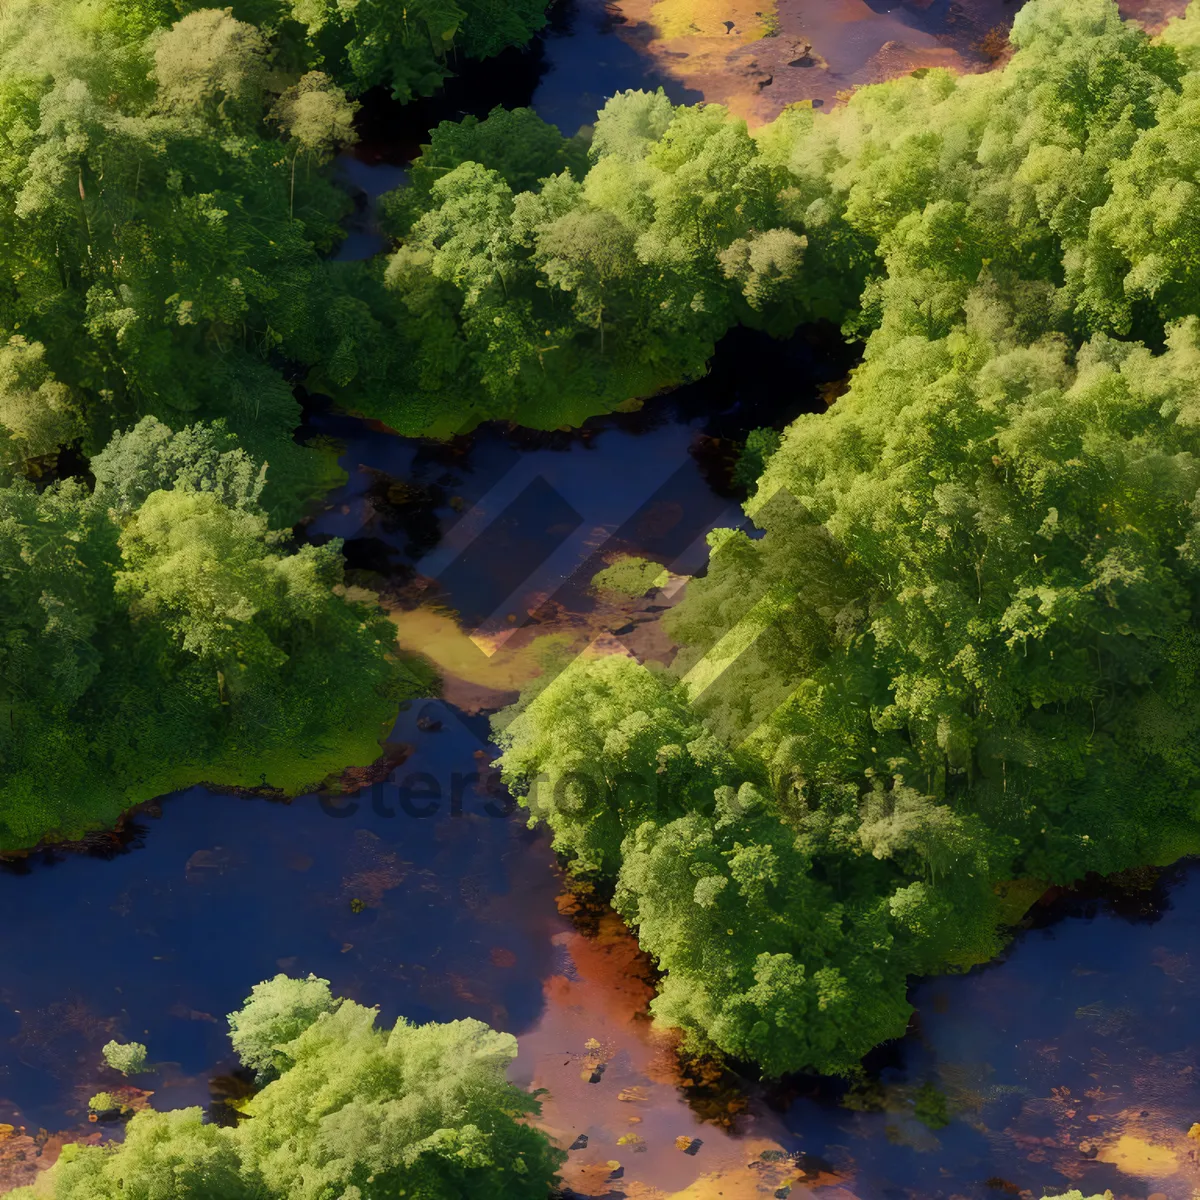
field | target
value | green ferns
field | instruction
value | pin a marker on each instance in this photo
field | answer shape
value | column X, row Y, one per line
column 965, row 649
column 351, row 1111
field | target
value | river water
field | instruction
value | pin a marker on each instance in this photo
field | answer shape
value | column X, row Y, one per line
column 427, row 895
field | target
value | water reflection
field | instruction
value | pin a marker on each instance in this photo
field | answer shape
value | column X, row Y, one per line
column 454, row 917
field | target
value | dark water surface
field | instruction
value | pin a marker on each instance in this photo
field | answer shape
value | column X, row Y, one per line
column 565, row 75
column 429, row 897
column 161, row 942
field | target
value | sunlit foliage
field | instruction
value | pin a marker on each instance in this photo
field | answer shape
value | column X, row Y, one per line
column 156, row 632
column 165, row 210
column 965, row 648
column 353, row 1112
column 127, row 1057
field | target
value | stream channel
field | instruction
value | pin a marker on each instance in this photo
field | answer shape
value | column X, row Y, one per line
column 1084, row 1033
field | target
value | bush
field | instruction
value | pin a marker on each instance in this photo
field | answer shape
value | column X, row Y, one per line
column 129, row 1058
column 417, row 1110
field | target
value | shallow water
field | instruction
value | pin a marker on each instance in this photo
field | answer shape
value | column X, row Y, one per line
column 1089, row 1017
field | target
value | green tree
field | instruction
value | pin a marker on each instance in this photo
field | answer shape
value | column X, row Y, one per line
column 274, row 1015
column 164, row 1154
column 355, row 1111
column 110, row 666
column 151, row 457
column 317, row 117
column 39, row 413
column 367, row 45
column 210, row 65
column 424, row 1109
column 209, row 574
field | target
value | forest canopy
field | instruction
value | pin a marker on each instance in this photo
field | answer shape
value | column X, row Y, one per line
column 563, row 281
column 166, row 209
column 961, row 660
column 345, row 1110
column 158, row 632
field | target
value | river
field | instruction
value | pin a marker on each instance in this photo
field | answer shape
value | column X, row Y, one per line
column 427, row 895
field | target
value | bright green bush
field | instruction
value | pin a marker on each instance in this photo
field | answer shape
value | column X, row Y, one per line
column 276, row 1012
column 630, row 577
column 158, row 633
column 127, row 1057
column 356, row 1112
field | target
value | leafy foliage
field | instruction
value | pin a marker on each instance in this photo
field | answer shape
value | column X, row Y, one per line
column 157, row 632
column 630, row 576
column 964, row 648
column 407, row 46
column 165, row 212
column 127, row 1057
column 355, row 1112
column 276, row 1012
column 565, row 288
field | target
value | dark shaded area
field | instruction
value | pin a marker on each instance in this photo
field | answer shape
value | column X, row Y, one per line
column 391, row 132
column 509, row 550
column 1141, row 895
column 406, row 496
column 755, row 380
column 586, row 63
column 371, row 555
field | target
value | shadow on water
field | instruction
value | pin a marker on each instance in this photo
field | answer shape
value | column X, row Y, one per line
column 586, row 63
column 505, row 526
column 565, row 74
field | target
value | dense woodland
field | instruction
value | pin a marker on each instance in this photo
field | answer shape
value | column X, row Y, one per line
column 960, row 663
column 165, row 206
